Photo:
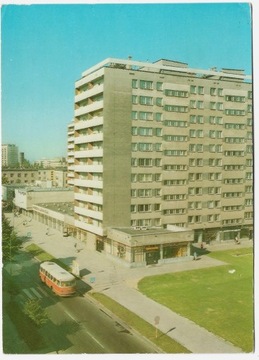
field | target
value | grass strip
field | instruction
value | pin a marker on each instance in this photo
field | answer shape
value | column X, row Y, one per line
column 42, row 255
column 160, row 339
column 220, row 299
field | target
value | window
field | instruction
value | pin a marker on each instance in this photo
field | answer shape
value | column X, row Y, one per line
column 158, row 131
column 157, row 147
column 175, row 138
column 234, row 126
column 134, row 115
column 213, row 105
column 194, row 219
column 134, row 99
column 134, row 146
column 145, row 146
column 249, row 149
column 219, row 106
column 148, row 85
column 145, row 131
column 234, row 140
column 157, row 207
column 134, row 84
column 158, row 117
column 145, row 177
column 193, row 104
column 145, row 162
column 133, row 193
column 143, row 115
column 193, row 89
column 158, row 162
column 145, row 192
column 235, row 98
column 220, row 92
column 200, row 104
column 200, row 90
column 175, row 197
column 175, row 167
column 234, row 153
column 175, row 152
column 133, row 208
column 212, row 91
column 249, row 122
column 159, row 86
column 175, row 182
column 159, row 101
column 158, row 177
column 146, row 100
column 176, row 123
column 134, row 130
column 176, row 108
column 235, row 112
column 249, row 108
column 200, row 119
column 177, row 93
column 144, row 208
column 134, row 162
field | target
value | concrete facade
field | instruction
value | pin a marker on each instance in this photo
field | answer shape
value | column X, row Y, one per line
column 47, row 177
column 155, row 145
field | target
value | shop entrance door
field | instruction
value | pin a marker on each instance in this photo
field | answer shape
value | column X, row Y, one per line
column 152, row 257
column 99, row 245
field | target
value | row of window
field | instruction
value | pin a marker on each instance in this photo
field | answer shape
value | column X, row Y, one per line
column 192, row 220
column 194, row 104
column 194, row 89
column 194, row 119
column 193, row 191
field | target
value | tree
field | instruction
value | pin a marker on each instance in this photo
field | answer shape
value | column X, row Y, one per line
column 11, row 244
column 35, row 312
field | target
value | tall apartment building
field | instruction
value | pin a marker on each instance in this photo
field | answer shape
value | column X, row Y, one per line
column 10, row 156
column 154, row 145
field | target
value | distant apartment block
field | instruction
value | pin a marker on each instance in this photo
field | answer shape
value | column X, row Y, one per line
column 10, row 155
column 51, row 163
column 42, row 177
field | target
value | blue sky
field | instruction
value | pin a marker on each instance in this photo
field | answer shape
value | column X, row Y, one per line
column 45, row 49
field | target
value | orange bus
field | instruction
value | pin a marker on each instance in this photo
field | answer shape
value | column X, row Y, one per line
column 60, row 281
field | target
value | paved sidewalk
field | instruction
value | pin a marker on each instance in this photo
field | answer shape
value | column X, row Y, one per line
column 120, row 283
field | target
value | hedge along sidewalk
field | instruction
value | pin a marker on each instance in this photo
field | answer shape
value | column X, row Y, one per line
column 42, row 255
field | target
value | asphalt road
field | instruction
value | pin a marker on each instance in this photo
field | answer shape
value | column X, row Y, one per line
column 75, row 326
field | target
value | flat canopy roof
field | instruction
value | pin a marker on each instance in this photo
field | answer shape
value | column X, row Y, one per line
column 60, row 207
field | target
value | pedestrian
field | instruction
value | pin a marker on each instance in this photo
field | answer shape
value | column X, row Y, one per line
column 195, row 256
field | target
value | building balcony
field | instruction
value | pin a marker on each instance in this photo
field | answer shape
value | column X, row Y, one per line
column 89, row 108
column 70, row 153
column 84, row 124
column 89, row 153
column 95, row 184
column 89, row 138
column 89, row 198
column 97, row 89
column 89, row 213
column 89, row 168
column 88, row 227
column 70, row 146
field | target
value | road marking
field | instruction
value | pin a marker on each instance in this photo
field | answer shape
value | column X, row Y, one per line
column 36, row 293
column 66, row 312
column 42, row 291
column 94, row 339
column 28, row 294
